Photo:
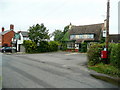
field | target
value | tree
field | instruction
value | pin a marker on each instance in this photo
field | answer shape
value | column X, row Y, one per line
column 66, row 28
column 38, row 33
column 58, row 35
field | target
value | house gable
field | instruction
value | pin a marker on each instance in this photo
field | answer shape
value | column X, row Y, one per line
column 7, row 38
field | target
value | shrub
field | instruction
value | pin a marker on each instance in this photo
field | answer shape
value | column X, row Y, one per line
column 43, row 47
column 64, row 46
column 53, row 46
column 94, row 54
column 83, row 47
column 30, row 47
column 115, row 55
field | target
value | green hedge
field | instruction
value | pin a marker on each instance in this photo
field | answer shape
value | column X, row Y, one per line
column 30, row 47
column 115, row 55
column 94, row 54
column 53, row 46
column 44, row 46
column 63, row 46
column 83, row 47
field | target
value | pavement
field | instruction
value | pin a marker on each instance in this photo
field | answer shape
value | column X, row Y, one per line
column 56, row 70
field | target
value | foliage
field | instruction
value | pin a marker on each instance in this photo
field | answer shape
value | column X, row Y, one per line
column 38, row 33
column 83, row 47
column 94, row 53
column 30, row 46
column 58, row 35
column 66, row 37
column 106, row 69
column 102, row 40
column 113, row 68
column 64, row 46
column 115, row 55
column 44, row 46
column 53, row 46
column 66, row 28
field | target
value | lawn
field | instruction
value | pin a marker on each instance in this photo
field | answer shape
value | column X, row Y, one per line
column 106, row 69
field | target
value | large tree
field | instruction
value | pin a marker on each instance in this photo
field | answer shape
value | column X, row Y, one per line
column 66, row 28
column 58, row 35
column 38, row 33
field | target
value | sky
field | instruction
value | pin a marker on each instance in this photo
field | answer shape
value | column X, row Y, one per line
column 56, row 14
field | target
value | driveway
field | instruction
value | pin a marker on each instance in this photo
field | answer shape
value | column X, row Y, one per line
column 48, row 70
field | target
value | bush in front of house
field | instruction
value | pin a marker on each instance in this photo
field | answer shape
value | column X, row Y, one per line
column 44, row 46
column 94, row 54
column 113, row 68
column 83, row 47
column 53, row 46
column 30, row 47
column 115, row 55
column 63, row 46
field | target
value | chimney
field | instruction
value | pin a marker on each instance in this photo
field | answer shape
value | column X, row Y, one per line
column 11, row 27
column 3, row 29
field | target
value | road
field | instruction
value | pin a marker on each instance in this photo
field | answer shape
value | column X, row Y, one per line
column 48, row 70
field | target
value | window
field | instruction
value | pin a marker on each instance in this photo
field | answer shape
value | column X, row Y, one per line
column 70, row 45
column 90, row 36
column 80, row 36
column 72, row 36
column 85, row 36
column 76, row 36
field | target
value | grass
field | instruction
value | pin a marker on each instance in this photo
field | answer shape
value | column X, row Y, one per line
column 106, row 69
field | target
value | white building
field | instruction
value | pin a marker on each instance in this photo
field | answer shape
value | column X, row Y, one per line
column 19, row 38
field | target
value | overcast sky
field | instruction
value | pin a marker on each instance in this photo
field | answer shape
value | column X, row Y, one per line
column 56, row 14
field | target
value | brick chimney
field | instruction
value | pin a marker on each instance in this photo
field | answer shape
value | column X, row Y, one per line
column 11, row 27
column 3, row 29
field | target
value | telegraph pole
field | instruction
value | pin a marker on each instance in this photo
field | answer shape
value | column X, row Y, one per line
column 107, row 28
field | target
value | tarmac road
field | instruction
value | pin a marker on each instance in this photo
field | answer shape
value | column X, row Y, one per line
column 48, row 70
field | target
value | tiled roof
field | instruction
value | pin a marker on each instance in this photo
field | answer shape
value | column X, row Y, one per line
column 24, row 33
column 114, row 38
column 4, row 32
column 87, row 29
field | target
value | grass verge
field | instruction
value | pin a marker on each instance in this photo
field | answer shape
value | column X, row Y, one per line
column 109, row 70
column 106, row 69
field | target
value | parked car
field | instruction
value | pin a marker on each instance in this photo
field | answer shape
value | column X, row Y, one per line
column 7, row 49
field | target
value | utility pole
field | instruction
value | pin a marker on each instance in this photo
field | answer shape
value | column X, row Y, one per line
column 107, row 28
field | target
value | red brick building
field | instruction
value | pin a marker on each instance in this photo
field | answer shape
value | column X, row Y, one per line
column 7, row 36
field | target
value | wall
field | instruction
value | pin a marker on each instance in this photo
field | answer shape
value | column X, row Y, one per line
column 7, row 38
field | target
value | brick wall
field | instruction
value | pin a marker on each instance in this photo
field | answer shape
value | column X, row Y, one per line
column 7, row 38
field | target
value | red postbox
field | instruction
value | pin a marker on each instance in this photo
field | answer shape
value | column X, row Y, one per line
column 104, row 54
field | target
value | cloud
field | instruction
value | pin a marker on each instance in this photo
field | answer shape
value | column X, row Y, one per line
column 55, row 13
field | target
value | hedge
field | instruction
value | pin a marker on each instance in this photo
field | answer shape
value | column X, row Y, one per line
column 30, row 47
column 83, row 47
column 53, row 46
column 94, row 54
column 115, row 55
column 44, row 46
